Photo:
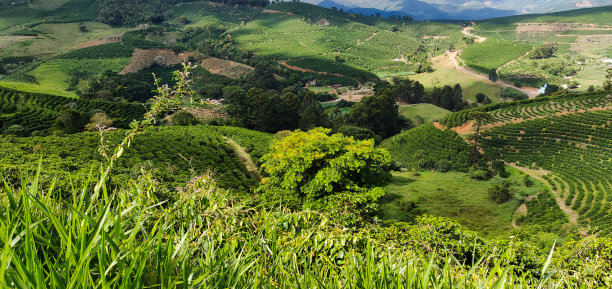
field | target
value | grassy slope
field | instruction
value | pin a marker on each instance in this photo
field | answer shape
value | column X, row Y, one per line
column 599, row 15
column 56, row 10
column 446, row 74
column 35, row 88
column 55, row 74
column 428, row 112
column 56, row 38
column 454, row 195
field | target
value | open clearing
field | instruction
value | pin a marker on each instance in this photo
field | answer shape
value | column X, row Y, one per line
column 60, row 37
column 446, row 73
column 143, row 58
column 454, row 195
column 56, row 74
column 428, row 112
column 10, row 40
column 227, row 68
column 35, row 88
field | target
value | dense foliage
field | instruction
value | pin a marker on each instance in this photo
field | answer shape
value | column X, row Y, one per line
column 38, row 113
column 378, row 113
column 103, row 51
column 132, row 240
column 426, row 147
column 262, row 110
column 330, row 173
column 413, row 92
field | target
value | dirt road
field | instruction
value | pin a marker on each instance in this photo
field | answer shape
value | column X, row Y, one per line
column 531, row 92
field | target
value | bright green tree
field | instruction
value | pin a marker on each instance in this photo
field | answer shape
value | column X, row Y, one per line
column 328, row 173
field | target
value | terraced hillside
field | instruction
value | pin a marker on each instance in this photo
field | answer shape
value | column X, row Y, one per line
column 38, row 112
column 573, row 153
column 172, row 155
column 534, row 108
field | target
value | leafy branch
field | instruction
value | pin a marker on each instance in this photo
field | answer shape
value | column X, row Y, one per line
column 166, row 99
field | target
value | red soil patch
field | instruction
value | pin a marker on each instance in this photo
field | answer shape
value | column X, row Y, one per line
column 465, row 128
column 100, row 41
column 270, row 11
column 226, row 68
column 531, row 28
column 143, row 58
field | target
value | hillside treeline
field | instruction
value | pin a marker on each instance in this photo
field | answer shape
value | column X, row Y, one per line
column 134, row 12
column 409, row 91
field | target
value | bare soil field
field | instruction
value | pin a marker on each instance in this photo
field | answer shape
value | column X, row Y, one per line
column 10, row 40
column 535, row 28
column 227, row 68
column 356, row 95
column 143, row 58
column 100, row 41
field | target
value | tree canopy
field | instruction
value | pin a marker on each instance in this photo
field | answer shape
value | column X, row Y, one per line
column 329, row 173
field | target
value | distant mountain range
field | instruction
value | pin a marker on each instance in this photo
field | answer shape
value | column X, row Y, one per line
column 457, row 9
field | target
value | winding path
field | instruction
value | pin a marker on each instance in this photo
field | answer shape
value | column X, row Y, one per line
column 245, row 158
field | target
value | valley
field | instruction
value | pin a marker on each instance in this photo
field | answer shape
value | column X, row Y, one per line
column 256, row 144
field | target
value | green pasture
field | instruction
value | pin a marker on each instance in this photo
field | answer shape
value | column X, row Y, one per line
column 426, row 111
column 454, row 195
column 446, row 74
column 56, row 74
column 60, row 37
column 36, row 88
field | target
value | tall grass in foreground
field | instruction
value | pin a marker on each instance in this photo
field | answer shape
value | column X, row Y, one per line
column 207, row 240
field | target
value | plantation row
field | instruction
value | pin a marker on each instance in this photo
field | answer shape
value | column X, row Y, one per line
column 257, row 144
column 36, row 112
column 540, row 106
column 576, row 149
column 104, row 51
column 492, row 54
column 172, row 155
column 318, row 64
column 547, row 108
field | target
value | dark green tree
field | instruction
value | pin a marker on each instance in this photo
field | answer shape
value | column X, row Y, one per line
column 311, row 113
column 493, row 75
column 499, row 193
column 379, row 113
column 183, row 118
column 70, row 121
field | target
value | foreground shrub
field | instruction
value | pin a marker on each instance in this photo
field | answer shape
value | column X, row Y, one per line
column 336, row 174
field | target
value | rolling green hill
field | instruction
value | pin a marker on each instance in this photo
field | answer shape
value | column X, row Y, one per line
column 583, row 38
column 172, row 155
column 572, row 153
column 36, row 113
